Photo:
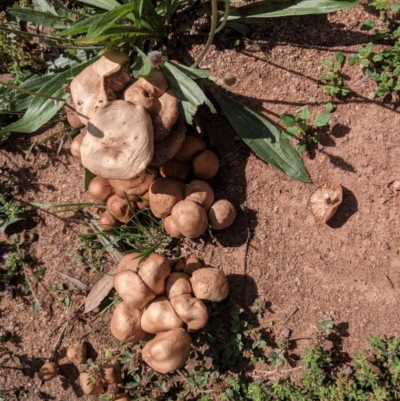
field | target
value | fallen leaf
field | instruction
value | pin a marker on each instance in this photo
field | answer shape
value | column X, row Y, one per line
column 75, row 281
column 99, row 291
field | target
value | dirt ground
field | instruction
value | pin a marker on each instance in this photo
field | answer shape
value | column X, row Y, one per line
column 348, row 269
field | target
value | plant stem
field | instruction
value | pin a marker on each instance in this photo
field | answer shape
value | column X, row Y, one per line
column 29, row 284
column 226, row 15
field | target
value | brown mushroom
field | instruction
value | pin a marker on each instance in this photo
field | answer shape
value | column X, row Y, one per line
column 100, row 189
column 209, row 284
column 91, row 385
column 159, row 315
column 138, row 185
column 110, row 372
column 192, row 264
column 165, row 114
column 175, row 169
column 205, row 164
column 153, row 271
column 129, row 261
column 76, row 147
column 221, row 215
column 119, row 143
column 170, row 227
column 120, row 208
column 164, row 193
column 189, row 218
column 167, row 351
column 325, row 200
column 125, row 324
column 190, row 148
column 108, row 222
column 168, row 147
column 72, row 116
column 48, row 371
column 200, row 192
column 177, row 284
column 153, row 84
column 191, row 310
column 131, row 288
column 137, row 95
column 143, row 202
column 76, row 353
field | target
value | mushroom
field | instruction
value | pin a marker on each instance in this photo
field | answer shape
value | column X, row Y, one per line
column 48, row 371
column 76, row 353
column 110, row 372
column 131, row 288
column 90, row 385
column 189, row 218
column 119, row 142
column 167, row 351
column 137, row 95
column 165, row 114
column 143, row 201
column 175, row 169
column 72, row 116
column 164, row 194
column 205, row 164
column 108, row 222
column 138, row 185
column 200, row 192
column 76, row 147
column 159, row 315
column 325, row 200
column 168, row 147
column 209, row 284
column 120, row 209
column 95, row 86
column 191, row 310
column 100, row 189
column 129, row 261
column 125, row 324
column 177, row 284
column 153, row 84
column 221, row 215
column 153, row 271
column 170, row 227
column 190, row 148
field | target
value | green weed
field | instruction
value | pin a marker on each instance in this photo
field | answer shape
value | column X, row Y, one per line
column 333, row 79
column 10, row 210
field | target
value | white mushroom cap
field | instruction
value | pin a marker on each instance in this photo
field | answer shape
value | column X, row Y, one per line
column 119, row 142
column 325, row 200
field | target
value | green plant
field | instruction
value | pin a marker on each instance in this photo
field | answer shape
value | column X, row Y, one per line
column 91, row 254
column 298, row 127
column 64, row 295
column 334, row 81
column 10, row 210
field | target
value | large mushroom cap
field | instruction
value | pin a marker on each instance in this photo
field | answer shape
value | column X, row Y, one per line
column 325, row 200
column 119, row 142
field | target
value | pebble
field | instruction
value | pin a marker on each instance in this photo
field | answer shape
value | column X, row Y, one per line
column 396, row 185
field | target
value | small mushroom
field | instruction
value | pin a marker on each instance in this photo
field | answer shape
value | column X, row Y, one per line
column 137, row 95
column 120, row 209
column 191, row 310
column 209, row 284
column 205, row 164
column 89, row 385
column 143, row 202
column 72, row 116
column 125, row 324
column 131, row 288
column 168, row 147
column 108, row 222
column 76, row 353
column 119, row 142
column 76, row 147
column 189, row 218
column 153, row 84
column 129, row 261
column 177, row 284
column 100, row 189
column 159, row 315
column 138, row 185
column 167, row 351
column 170, row 227
column 175, row 169
column 221, row 215
column 164, row 194
column 190, row 148
column 165, row 114
column 48, row 371
column 153, row 271
column 325, row 200
column 200, row 192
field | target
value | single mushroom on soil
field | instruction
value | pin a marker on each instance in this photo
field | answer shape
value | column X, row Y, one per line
column 325, row 200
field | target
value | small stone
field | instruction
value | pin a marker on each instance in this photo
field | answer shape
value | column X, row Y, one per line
column 396, row 185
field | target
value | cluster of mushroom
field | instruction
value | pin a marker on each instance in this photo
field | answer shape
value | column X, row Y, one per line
column 165, row 304
column 131, row 135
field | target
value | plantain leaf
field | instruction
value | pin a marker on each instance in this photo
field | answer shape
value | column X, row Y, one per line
column 43, row 5
column 103, row 4
column 113, row 36
column 189, row 93
column 193, row 73
column 107, row 20
column 79, row 27
column 142, row 66
column 42, row 110
column 279, row 8
column 37, row 17
column 262, row 137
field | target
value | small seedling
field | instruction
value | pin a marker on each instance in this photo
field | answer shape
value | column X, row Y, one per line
column 333, row 79
column 298, row 127
column 10, row 210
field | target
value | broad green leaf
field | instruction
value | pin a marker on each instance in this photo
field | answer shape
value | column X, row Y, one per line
column 322, row 119
column 305, row 114
column 367, row 25
column 188, row 92
column 141, row 67
column 193, row 72
column 42, row 110
column 339, row 58
column 79, row 27
column 37, row 17
column 5, row 222
column 113, row 36
column 43, row 5
column 288, row 119
column 263, row 138
column 353, row 59
column 279, row 8
column 329, row 107
column 103, row 4
column 107, row 20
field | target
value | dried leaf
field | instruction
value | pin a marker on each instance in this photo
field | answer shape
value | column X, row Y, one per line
column 74, row 281
column 99, row 291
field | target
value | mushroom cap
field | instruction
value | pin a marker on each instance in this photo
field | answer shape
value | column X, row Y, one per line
column 48, row 371
column 94, row 387
column 119, row 142
column 159, row 315
column 120, row 209
column 164, row 194
column 191, row 310
column 143, row 202
column 137, row 95
column 76, row 353
column 125, row 324
column 153, row 271
column 167, row 351
column 100, row 189
column 209, row 284
column 177, row 284
column 168, row 147
column 76, row 147
column 325, row 200
column 190, row 148
column 138, row 185
column 72, row 116
column 131, row 288
column 165, row 114
column 153, row 84
column 107, row 222
column 175, row 169
column 129, row 261
column 110, row 372
column 205, row 164
column 189, row 218
column 200, row 192
column 170, row 227
column 221, row 214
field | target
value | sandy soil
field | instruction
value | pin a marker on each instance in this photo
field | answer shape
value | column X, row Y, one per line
column 348, row 269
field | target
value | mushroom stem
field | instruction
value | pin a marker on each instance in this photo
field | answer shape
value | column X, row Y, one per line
column 327, row 198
